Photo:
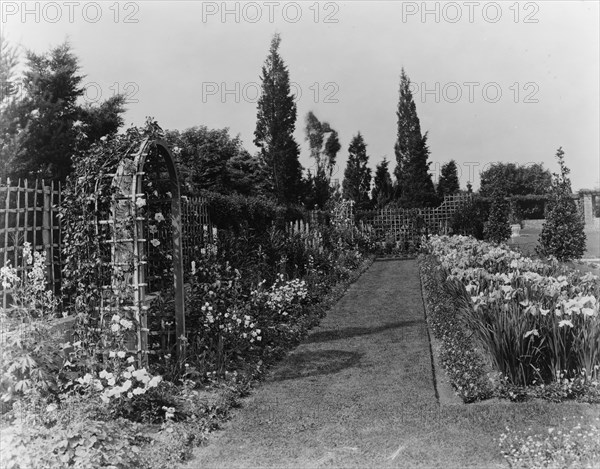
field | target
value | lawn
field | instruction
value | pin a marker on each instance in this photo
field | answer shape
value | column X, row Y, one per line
column 528, row 240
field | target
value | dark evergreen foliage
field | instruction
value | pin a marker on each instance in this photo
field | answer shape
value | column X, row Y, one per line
column 357, row 176
column 414, row 185
column 448, row 183
column 383, row 190
column 276, row 121
column 563, row 232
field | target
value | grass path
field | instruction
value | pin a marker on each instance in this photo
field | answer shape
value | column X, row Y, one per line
column 359, row 392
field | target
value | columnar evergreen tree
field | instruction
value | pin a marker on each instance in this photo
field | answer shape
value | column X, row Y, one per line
column 383, row 190
column 448, row 183
column 563, row 231
column 276, row 121
column 497, row 228
column 357, row 176
column 415, row 187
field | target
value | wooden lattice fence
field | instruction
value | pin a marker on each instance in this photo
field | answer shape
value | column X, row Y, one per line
column 198, row 231
column 28, row 213
column 405, row 227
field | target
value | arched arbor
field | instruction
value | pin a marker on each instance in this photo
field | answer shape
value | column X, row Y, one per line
column 146, row 237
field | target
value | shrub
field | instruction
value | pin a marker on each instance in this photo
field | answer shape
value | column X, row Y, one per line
column 563, row 232
column 81, row 444
column 497, row 228
column 470, row 219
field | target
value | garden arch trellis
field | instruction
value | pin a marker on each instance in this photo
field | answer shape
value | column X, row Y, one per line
column 140, row 184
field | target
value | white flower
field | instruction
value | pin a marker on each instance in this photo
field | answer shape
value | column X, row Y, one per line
column 141, row 375
column 115, row 328
column 138, row 391
column 51, row 408
column 588, row 311
column 154, row 381
column 531, row 332
column 565, row 322
column 140, row 202
column 116, row 318
column 121, row 354
column 159, row 217
column 112, row 354
column 155, row 242
column 126, row 323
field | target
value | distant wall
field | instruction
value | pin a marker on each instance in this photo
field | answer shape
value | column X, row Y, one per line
column 590, row 224
column 533, row 224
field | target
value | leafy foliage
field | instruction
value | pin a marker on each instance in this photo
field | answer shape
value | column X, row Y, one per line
column 465, row 368
column 470, row 219
column 563, row 232
column 47, row 127
column 32, row 357
column 497, row 227
column 538, row 323
column 212, row 160
column 319, row 183
column 515, row 179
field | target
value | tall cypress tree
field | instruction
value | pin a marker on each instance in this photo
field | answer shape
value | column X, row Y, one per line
column 448, row 183
column 415, row 187
column 357, row 176
column 276, row 121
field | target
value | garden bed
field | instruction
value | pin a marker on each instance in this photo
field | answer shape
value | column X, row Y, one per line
column 161, row 427
column 488, row 307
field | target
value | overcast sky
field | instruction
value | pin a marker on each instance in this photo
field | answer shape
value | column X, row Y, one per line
column 493, row 81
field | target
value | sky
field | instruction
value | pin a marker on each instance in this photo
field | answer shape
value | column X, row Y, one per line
column 493, row 82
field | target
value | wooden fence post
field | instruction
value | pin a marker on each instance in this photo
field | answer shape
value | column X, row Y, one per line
column 46, row 235
column 6, row 220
